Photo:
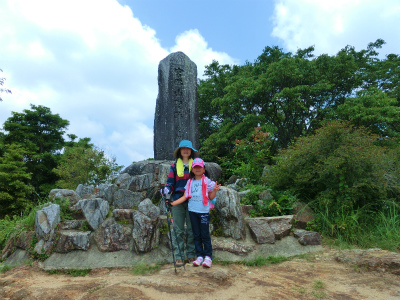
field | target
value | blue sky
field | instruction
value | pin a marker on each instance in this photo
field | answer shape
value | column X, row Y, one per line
column 94, row 62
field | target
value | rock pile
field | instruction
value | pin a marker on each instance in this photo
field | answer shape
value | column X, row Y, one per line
column 128, row 216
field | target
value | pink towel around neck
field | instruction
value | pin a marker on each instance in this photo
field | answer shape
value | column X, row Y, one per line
column 188, row 192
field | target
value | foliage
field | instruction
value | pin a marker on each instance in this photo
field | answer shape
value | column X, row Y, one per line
column 16, row 224
column 65, row 210
column 280, row 204
column 292, row 94
column 85, row 164
column 252, row 155
column 345, row 176
column 164, row 228
column 15, row 185
column 373, row 109
column 85, row 226
column 40, row 133
column 373, row 230
column 340, row 167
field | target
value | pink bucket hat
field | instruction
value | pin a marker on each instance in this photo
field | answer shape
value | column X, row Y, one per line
column 198, row 162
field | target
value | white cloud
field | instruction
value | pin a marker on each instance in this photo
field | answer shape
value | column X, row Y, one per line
column 93, row 63
column 192, row 43
column 330, row 25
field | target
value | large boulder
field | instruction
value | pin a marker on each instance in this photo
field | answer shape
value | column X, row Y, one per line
column 85, row 191
column 163, row 171
column 281, row 225
column 240, row 249
column 62, row 194
column 142, row 167
column 147, row 208
column 72, row 240
column 230, row 213
column 214, row 170
column 95, row 210
column 140, row 183
column 372, row 259
column 126, row 199
column 123, row 181
column 46, row 221
column 307, row 238
column 22, row 241
column 146, row 227
column 111, row 236
column 261, row 231
column 124, row 215
column 107, row 191
column 302, row 214
column 136, row 183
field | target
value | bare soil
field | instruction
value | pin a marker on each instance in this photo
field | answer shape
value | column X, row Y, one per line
column 315, row 276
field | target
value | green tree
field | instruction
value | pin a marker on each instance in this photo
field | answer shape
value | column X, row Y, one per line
column 292, row 94
column 15, row 186
column 40, row 133
column 373, row 109
column 85, row 164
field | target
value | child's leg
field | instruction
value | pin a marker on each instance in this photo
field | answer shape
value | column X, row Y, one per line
column 190, row 246
column 205, row 234
column 195, row 220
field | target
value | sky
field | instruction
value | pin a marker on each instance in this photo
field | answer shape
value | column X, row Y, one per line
column 95, row 62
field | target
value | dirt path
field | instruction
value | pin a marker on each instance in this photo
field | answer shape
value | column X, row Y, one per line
column 317, row 276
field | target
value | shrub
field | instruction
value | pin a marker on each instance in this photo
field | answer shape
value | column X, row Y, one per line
column 340, row 167
column 342, row 173
column 280, row 204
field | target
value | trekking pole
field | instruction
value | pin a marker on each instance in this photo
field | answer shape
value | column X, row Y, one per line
column 170, row 223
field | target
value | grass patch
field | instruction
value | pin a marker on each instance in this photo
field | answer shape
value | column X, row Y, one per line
column 85, row 226
column 361, row 228
column 143, row 269
column 318, row 284
column 72, row 272
column 164, row 228
column 5, row 268
column 310, row 257
column 319, row 294
column 257, row 262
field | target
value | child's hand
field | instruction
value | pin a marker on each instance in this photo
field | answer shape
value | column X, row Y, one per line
column 216, row 187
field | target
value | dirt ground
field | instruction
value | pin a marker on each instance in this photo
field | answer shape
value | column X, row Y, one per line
column 314, row 276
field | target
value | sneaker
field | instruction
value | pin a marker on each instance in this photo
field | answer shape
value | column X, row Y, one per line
column 207, row 262
column 198, row 261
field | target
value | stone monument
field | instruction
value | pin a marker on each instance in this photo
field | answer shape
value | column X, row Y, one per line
column 176, row 117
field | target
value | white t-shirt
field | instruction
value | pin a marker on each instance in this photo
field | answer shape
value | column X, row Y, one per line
column 196, row 202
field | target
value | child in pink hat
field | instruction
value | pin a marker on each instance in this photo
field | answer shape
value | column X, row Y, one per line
column 200, row 190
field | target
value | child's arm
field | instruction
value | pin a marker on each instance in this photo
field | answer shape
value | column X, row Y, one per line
column 179, row 201
column 213, row 193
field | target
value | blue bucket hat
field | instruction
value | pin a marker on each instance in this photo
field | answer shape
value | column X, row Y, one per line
column 184, row 143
